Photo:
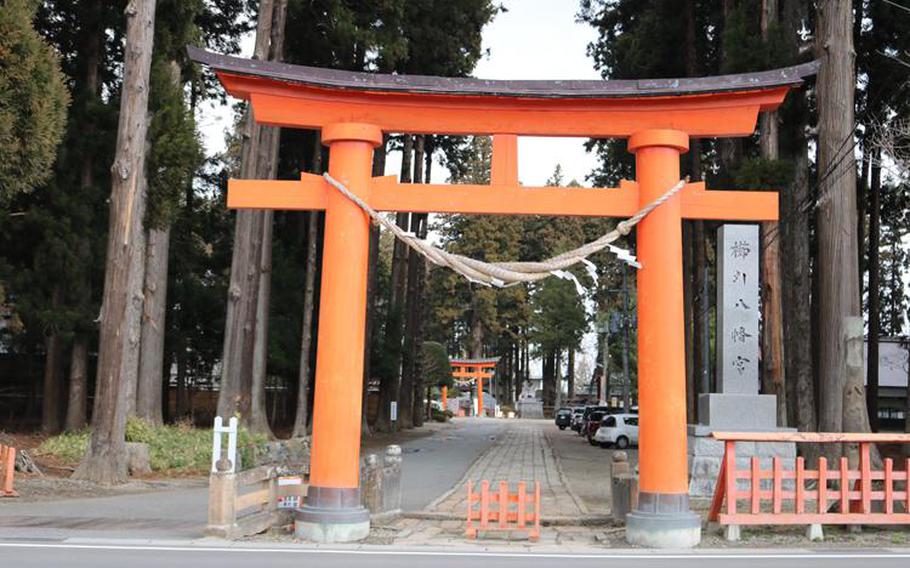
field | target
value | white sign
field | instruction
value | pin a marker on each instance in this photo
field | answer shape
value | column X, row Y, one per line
column 393, row 406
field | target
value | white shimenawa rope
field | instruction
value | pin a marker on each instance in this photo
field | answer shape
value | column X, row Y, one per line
column 503, row 274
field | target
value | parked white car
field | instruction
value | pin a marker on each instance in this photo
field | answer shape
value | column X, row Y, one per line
column 620, row 430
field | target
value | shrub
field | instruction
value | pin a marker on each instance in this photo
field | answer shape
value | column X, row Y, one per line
column 177, row 448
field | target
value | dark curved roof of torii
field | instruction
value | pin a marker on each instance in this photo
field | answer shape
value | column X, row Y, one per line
column 588, row 89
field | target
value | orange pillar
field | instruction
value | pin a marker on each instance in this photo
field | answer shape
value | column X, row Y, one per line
column 479, row 396
column 445, row 398
column 663, row 503
column 333, row 512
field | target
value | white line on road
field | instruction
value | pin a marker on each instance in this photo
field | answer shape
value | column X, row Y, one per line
column 488, row 554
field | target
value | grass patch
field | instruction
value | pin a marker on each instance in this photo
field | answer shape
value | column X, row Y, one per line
column 179, row 448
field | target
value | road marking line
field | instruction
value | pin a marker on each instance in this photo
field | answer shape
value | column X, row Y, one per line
column 367, row 552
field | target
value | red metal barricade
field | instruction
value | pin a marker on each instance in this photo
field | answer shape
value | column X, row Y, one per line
column 859, row 496
column 502, row 510
column 7, row 470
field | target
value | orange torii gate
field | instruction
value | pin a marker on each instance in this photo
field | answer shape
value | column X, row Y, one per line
column 354, row 109
column 472, row 369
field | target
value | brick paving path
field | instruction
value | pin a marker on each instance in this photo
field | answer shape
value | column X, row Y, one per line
column 521, row 453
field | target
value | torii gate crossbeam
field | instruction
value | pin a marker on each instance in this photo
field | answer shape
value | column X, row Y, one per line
column 354, row 109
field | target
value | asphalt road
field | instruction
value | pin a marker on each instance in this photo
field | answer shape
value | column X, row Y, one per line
column 434, row 464
column 27, row 555
column 431, row 466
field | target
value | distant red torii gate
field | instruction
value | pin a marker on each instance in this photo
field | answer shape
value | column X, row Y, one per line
column 354, row 109
column 472, row 369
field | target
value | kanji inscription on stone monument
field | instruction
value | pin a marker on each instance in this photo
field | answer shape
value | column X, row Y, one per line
column 737, row 304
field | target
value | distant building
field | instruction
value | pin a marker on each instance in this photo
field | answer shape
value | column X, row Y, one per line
column 892, row 380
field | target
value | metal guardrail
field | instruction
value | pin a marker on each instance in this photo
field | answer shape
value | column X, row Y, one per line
column 801, row 496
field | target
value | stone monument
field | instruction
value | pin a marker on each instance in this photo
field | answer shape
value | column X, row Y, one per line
column 737, row 404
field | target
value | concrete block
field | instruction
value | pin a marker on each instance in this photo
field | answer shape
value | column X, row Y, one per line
column 815, row 533
column 703, row 446
column 138, row 458
column 701, row 487
column 738, row 411
column 732, row 533
column 705, row 467
column 776, row 449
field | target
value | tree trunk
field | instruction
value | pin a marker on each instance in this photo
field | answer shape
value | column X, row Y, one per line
column 247, row 311
column 549, row 379
column 836, row 218
column 105, row 457
column 51, row 408
column 796, row 260
column 390, row 380
column 306, row 342
column 78, row 385
column 301, row 420
column 411, row 387
column 90, row 56
column 151, row 358
column 259, row 418
column 181, row 406
column 874, row 290
column 570, row 372
column 773, row 378
column 379, row 156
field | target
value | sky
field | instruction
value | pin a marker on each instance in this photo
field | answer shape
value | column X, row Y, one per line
column 533, row 39
column 537, row 39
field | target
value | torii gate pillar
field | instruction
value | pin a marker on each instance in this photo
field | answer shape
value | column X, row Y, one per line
column 333, row 511
column 663, row 517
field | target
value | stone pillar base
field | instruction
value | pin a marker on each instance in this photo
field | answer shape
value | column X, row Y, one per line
column 663, row 530
column 331, row 525
column 662, row 520
column 332, row 515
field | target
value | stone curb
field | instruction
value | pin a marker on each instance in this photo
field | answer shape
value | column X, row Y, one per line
column 579, row 521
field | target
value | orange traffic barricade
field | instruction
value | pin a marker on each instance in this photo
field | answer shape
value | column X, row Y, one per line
column 7, row 470
column 801, row 496
column 502, row 510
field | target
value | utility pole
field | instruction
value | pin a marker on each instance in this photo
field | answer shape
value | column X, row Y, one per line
column 626, row 384
column 605, row 365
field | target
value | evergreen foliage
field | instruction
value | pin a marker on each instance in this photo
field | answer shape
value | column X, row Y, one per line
column 33, row 101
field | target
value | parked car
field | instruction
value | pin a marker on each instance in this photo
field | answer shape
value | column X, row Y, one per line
column 586, row 414
column 563, row 418
column 620, row 430
column 592, row 424
column 578, row 414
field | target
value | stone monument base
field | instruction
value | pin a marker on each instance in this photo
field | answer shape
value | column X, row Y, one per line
column 706, row 455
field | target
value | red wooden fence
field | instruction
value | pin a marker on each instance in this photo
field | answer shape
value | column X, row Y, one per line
column 7, row 470
column 859, row 496
column 502, row 510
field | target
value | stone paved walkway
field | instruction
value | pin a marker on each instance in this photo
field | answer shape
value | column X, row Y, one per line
column 521, row 453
